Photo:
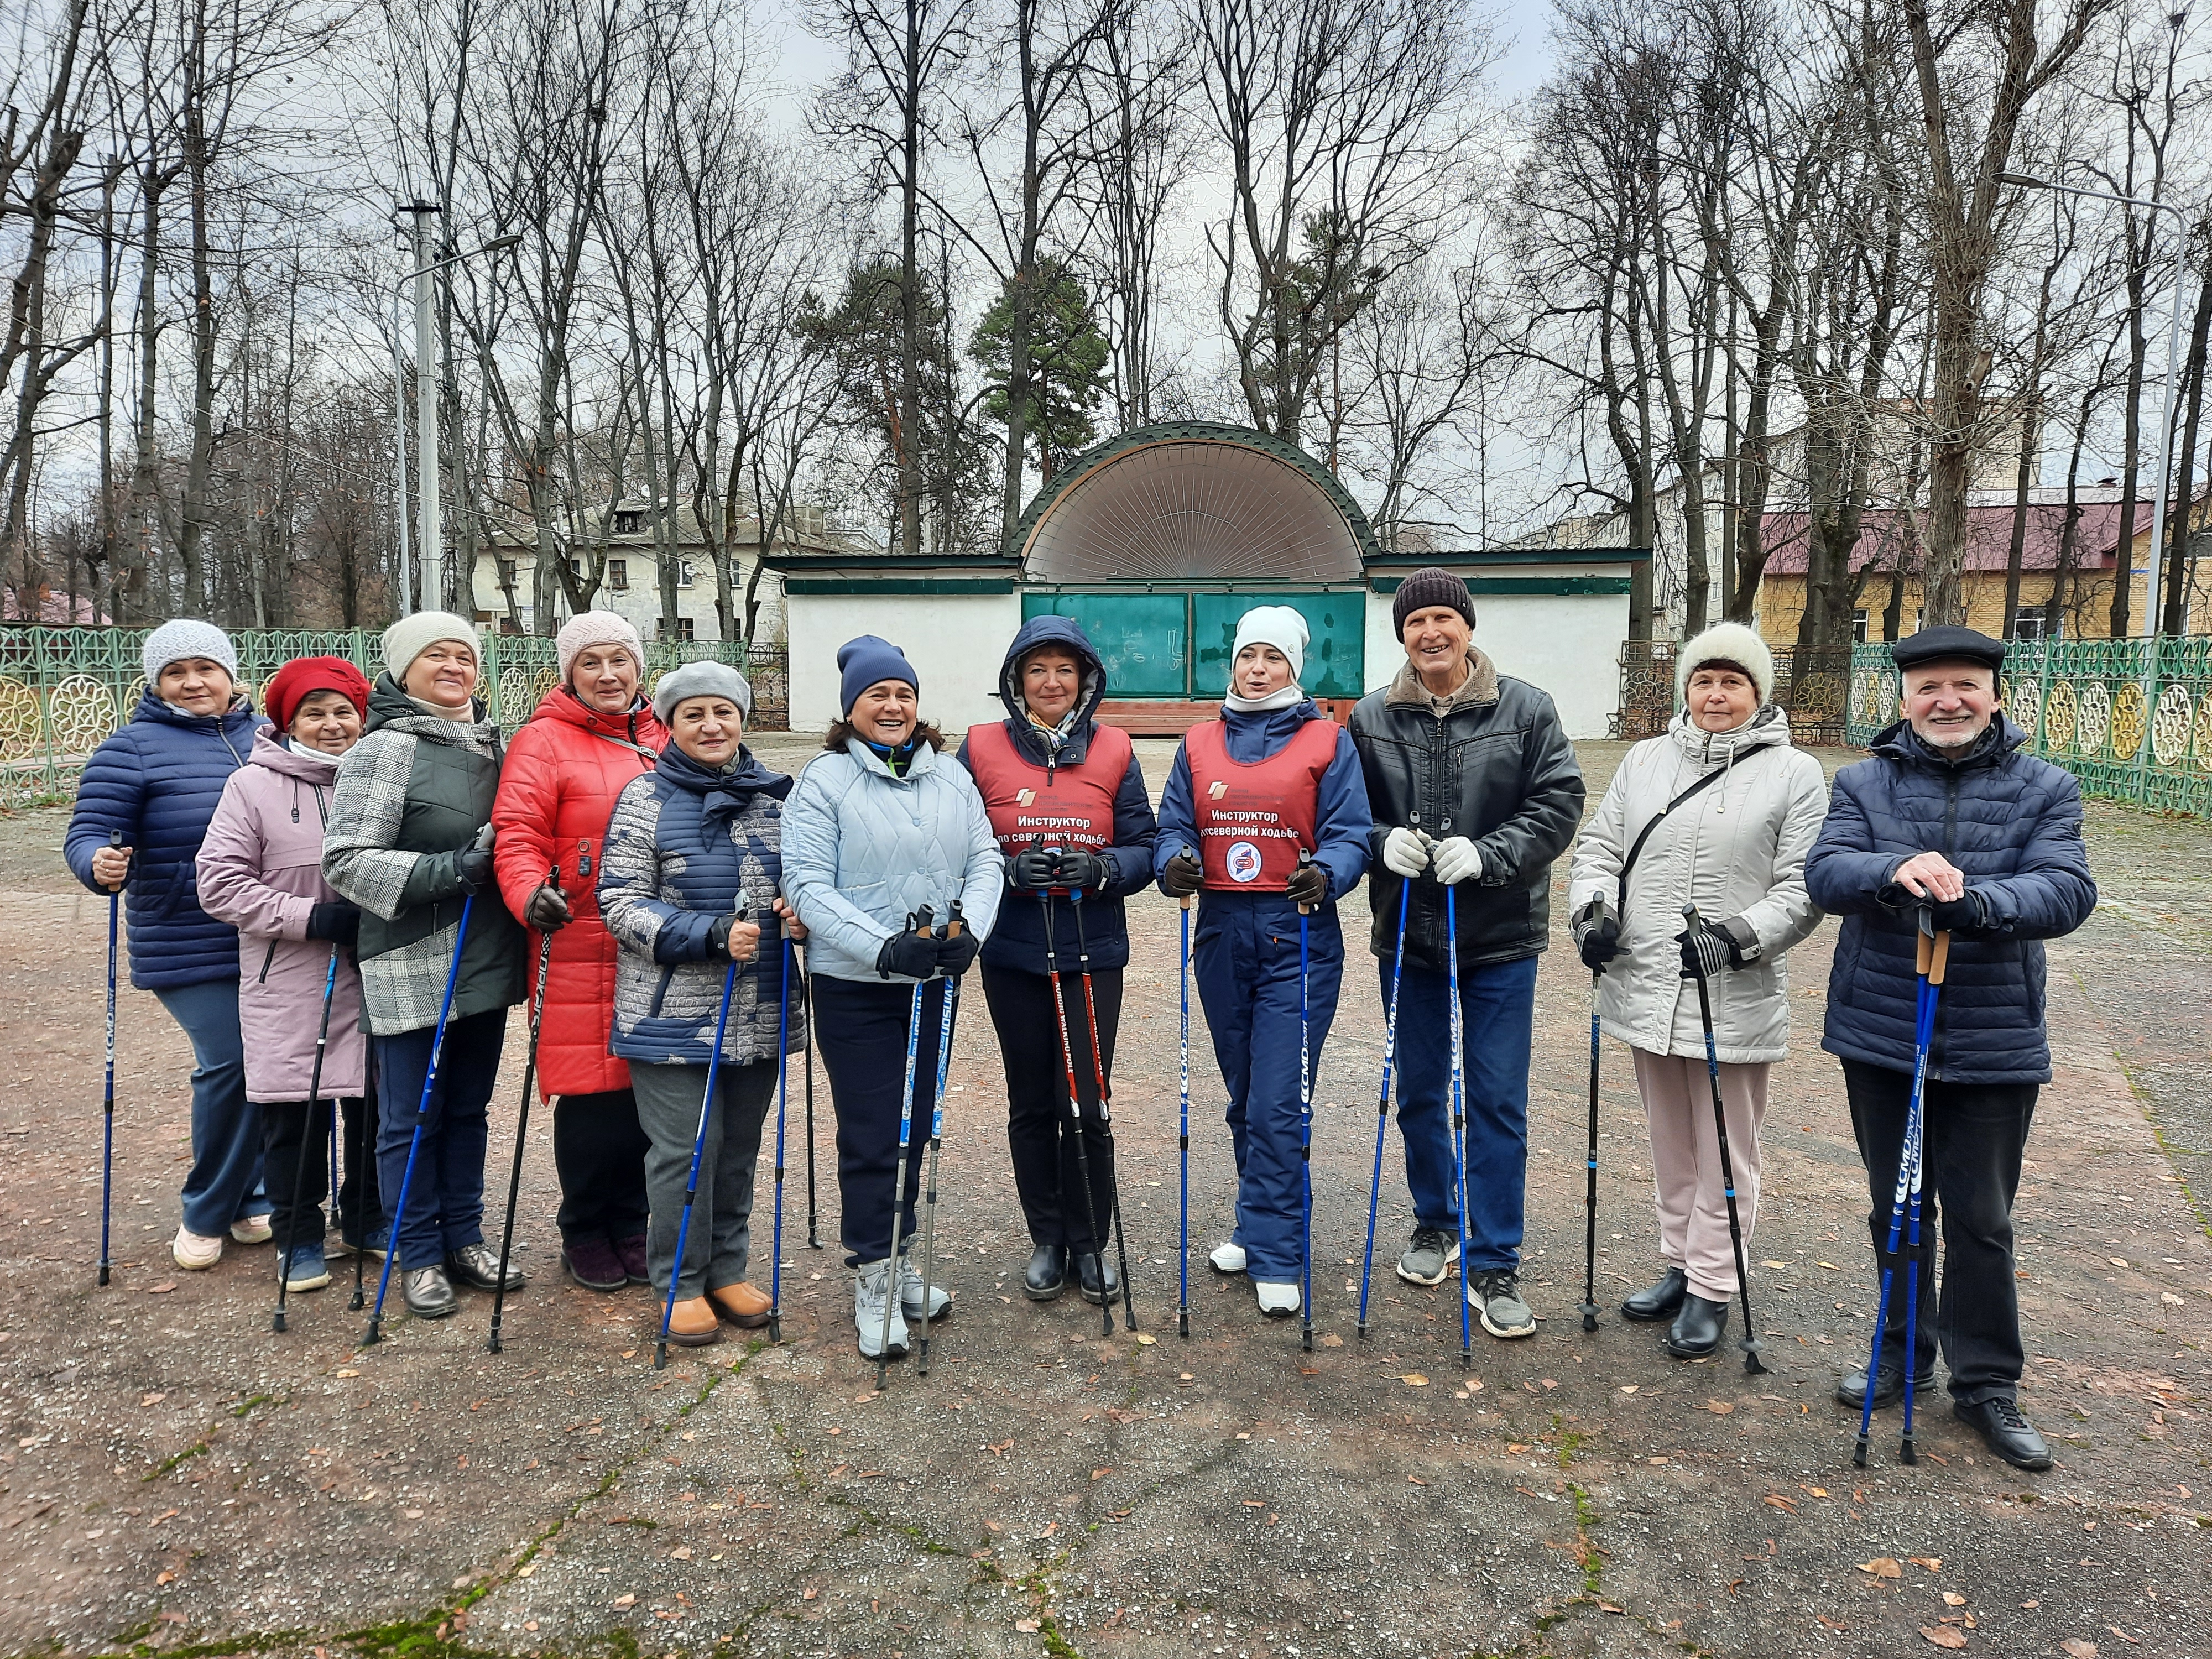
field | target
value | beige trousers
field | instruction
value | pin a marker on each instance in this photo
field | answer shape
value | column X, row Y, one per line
column 1685, row 1163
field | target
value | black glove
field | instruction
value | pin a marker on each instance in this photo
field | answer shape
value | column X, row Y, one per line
column 1706, row 949
column 956, row 953
column 1182, row 875
column 1084, row 870
column 1597, row 933
column 1309, row 887
column 1031, row 871
column 909, row 955
column 337, row 922
column 472, row 868
column 1966, row 918
column 548, row 910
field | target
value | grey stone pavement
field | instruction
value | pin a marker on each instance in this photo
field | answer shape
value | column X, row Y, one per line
column 176, row 1479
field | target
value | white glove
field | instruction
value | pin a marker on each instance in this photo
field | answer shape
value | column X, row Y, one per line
column 1405, row 851
column 1458, row 860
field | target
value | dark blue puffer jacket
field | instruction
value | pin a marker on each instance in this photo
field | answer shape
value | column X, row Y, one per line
column 2014, row 824
column 157, row 781
column 1017, row 938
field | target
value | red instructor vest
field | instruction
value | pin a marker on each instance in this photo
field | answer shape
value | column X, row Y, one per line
column 1254, row 821
column 1068, row 806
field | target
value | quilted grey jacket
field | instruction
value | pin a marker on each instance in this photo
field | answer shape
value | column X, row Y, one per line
column 863, row 849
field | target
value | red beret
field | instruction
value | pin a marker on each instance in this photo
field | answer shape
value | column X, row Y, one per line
column 302, row 678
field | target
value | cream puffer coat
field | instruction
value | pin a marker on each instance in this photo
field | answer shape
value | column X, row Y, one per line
column 1736, row 849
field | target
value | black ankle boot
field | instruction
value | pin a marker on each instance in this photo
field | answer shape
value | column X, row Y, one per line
column 1662, row 1301
column 1697, row 1330
column 1046, row 1276
column 1088, row 1268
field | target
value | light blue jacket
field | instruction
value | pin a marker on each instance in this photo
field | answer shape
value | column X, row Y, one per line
column 862, row 850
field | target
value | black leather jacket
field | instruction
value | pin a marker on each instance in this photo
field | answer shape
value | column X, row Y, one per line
column 1502, row 774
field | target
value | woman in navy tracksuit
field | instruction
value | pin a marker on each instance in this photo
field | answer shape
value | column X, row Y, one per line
column 1265, row 810
column 1067, row 802
column 142, row 808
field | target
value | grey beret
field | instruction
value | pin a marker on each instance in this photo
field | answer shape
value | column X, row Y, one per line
column 702, row 679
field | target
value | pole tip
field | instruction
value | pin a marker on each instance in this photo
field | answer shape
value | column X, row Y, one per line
column 1589, row 1315
column 1907, row 1452
column 660, row 1356
column 774, row 1328
column 1859, row 1454
column 1182, row 1326
column 103, row 1273
column 493, row 1345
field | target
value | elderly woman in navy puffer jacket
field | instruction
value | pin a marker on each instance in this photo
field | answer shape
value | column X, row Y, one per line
column 142, row 808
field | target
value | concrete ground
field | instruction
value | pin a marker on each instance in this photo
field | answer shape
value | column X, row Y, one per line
column 178, row 1479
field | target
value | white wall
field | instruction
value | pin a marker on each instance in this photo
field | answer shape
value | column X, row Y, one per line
column 955, row 642
column 1566, row 644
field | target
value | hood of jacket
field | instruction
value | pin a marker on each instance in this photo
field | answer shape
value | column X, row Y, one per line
column 1252, row 737
column 277, row 752
column 562, row 704
column 391, row 710
column 727, row 790
column 1899, row 742
column 1073, row 741
column 1767, row 729
column 238, row 722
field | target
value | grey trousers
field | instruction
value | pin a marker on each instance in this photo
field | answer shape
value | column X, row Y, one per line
column 668, row 1098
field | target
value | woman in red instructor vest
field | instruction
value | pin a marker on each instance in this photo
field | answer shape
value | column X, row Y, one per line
column 1250, row 796
column 1068, row 805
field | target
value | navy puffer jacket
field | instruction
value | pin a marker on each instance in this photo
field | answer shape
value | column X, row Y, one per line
column 157, row 781
column 2014, row 824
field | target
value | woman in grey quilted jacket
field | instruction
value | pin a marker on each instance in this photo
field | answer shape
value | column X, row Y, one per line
column 881, row 824
column 1736, row 849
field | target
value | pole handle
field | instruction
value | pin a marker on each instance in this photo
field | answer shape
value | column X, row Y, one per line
column 1939, row 957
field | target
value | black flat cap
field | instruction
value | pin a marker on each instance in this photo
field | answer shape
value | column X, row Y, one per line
column 1948, row 645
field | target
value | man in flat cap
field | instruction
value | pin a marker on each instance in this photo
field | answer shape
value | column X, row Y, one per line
column 1950, row 815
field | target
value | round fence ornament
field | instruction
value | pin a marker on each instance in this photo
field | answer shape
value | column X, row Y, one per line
column 2095, row 720
column 19, row 720
column 2169, row 727
column 1887, row 698
column 2059, row 709
column 128, row 706
column 2200, row 740
column 80, row 714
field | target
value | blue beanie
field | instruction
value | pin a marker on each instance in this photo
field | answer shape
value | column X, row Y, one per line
column 867, row 661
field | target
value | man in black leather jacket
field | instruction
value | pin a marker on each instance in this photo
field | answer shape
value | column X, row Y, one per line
column 1475, row 788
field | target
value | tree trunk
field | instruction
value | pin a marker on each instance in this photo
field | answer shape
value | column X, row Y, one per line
column 2177, row 557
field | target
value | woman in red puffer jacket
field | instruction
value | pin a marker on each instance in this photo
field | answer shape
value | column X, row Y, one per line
column 591, row 736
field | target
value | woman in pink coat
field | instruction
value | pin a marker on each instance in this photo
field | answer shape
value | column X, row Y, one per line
column 260, row 870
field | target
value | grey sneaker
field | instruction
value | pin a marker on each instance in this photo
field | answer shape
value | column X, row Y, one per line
column 870, row 1290
column 1429, row 1257
column 910, row 1293
column 1494, row 1293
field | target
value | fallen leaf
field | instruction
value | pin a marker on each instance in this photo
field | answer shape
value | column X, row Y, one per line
column 1830, row 1265
column 2074, row 1648
column 1952, row 1599
column 1515, row 1447
column 1607, row 1606
column 989, row 1526
column 1333, row 1341
column 1944, row 1636
column 2122, row 1634
column 1773, row 1264
column 1718, row 1407
column 2117, row 1261
column 1630, row 1388
column 682, row 1552
column 1146, row 1338
column 1414, row 1380
column 154, row 1399
column 625, row 1600
column 1026, row 1626
column 1782, row 1503
column 1255, row 1503
column 629, row 1353
column 810, row 1593
column 524, row 1571
column 162, row 1289
column 1100, row 1474
column 1882, row 1567
column 1933, row 1562
column 349, row 1371
column 1417, row 1479
column 165, row 1577
column 414, row 1515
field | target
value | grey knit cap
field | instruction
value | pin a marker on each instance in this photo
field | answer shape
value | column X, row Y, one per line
column 702, row 679
column 186, row 636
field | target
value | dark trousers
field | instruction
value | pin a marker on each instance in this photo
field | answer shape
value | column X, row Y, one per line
column 599, row 1149
column 224, row 1183
column 297, row 1217
column 1039, row 1132
column 445, row 1201
column 1970, row 1169
column 718, row 1246
column 862, row 1030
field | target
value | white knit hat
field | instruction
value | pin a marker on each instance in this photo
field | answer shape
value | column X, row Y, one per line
column 186, row 636
column 589, row 628
column 1727, row 643
column 1278, row 625
column 410, row 636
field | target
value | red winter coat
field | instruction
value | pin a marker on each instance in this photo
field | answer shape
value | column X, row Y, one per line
column 563, row 770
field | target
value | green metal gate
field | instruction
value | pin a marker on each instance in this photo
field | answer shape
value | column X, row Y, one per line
column 1176, row 644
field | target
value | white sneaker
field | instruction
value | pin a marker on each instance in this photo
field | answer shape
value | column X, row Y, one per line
column 1228, row 1258
column 252, row 1230
column 910, row 1294
column 195, row 1252
column 1276, row 1300
column 870, row 1290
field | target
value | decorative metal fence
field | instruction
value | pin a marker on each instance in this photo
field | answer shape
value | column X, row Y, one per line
column 64, row 690
column 1813, row 685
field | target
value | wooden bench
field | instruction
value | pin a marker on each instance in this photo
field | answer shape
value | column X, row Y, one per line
column 1146, row 717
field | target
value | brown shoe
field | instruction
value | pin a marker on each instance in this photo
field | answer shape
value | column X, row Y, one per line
column 741, row 1304
column 693, row 1324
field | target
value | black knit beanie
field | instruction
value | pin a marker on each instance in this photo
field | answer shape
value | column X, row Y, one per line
column 1425, row 587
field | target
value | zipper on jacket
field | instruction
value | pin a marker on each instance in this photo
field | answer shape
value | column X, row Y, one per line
column 262, row 978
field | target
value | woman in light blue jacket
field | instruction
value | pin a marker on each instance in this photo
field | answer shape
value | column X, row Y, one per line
column 881, row 824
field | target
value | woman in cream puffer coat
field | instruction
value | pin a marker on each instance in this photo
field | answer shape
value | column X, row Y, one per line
column 1737, row 850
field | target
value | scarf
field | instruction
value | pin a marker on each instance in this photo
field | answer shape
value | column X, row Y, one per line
column 1289, row 696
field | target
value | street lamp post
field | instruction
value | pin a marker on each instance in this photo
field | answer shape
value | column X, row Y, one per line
column 429, row 535
column 2126, row 554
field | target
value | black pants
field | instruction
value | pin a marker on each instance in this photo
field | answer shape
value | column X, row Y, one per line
column 1047, row 1175
column 1970, row 1169
column 862, row 1030
column 283, row 1125
column 599, row 1150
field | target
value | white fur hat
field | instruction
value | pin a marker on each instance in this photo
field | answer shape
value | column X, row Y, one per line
column 1729, row 642
column 1278, row 625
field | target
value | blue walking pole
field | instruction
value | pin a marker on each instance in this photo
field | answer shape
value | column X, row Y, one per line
column 1749, row 1342
column 1183, row 1139
column 1459, row 1119
column 108, row 1110
column 921, row 920
column 1305, row 1123
column 950, row 1011
column 1935, row 955
column 421, row 1117
column 782, row 1093
column 698, row 1150
column 1382, row 1105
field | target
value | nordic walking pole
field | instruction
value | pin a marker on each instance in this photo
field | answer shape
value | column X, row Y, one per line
column 1934, row 957
column 1182, row 1143
column 1105, row 1114
column 362, row 1141
column 806, row 994
column 1589, row 1189
column 1075, row 1113
column 921, row 922
column 522, row 1118
column 1382, row 1105
column 1458, row 1115
column 698, row 1149
column 421, row 1116
column 1749, row 1341
column 1305, row 1120
column 783, row 1095
column 950, row 1011
column 108, row 1110
column 308, row 1135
